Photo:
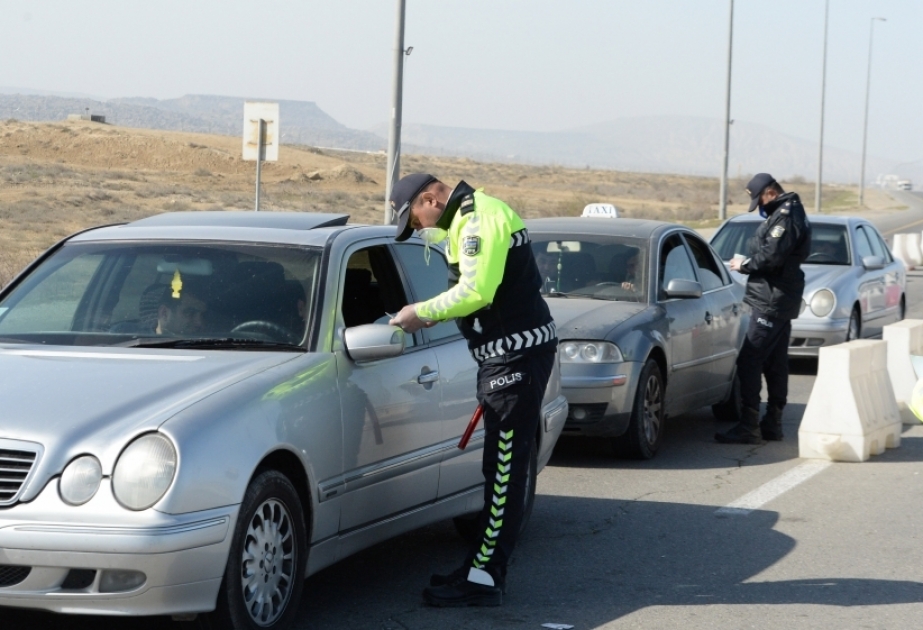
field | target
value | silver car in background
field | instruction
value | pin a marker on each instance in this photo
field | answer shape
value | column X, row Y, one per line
column 152, row 465
column 853, row 285
column 649, row 323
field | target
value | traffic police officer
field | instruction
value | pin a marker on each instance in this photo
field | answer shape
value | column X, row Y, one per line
column 494, row 297
column 775, row 284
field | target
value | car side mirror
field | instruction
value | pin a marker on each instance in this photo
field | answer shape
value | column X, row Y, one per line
column 373, row 341
column 873, row 262
column 683, row 289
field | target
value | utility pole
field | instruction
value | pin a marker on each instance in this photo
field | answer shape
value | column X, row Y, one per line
column 723, row 209
column 865, row 127
column 393, row 166
column 823, row 87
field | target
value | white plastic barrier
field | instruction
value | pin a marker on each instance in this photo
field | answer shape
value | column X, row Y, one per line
column 899, row 250
column 851, row 413
column 904, row 339
column 914, row 254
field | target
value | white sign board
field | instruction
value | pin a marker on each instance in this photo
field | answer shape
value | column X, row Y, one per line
column 269, row 114
column 600, row 210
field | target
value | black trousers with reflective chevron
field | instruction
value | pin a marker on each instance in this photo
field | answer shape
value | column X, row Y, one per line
column 510, row 390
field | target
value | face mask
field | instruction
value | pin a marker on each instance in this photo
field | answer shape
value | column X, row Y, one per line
column 431, row 236
column 763, row 212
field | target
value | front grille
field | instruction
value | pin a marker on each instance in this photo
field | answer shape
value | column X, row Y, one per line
column 11, row 574
column 16, row 462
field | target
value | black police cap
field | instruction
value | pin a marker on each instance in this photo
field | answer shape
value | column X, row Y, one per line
column 402, row 196
column 756, row 186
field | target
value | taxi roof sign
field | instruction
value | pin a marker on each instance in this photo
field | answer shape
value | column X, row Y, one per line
column 606, row 210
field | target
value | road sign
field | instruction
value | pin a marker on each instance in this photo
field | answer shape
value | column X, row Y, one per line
column 254, row 113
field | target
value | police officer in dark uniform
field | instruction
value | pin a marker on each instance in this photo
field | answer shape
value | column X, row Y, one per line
column 775, row 284
column 494, row 297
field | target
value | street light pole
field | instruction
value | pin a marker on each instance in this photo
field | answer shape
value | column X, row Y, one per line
column 723, row 196
column 823, row 88
column 865, row 128
column 393, row 166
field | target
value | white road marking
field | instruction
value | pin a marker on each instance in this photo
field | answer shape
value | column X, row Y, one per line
column 775, row 488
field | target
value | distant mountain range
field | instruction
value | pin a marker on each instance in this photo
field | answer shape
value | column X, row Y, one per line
column 301, row 122
column 660, row 144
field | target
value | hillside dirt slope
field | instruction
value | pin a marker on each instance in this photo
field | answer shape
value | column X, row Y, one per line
column 58, row 178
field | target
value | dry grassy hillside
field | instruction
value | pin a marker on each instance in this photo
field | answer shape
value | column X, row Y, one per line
column 57, row 178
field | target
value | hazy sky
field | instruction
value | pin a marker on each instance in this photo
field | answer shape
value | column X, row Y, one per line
column 538, row 65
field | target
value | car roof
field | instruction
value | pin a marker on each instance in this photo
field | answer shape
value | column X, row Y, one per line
column 828, row 219
column 638, row 228
column 238, row 218
column 295, row 228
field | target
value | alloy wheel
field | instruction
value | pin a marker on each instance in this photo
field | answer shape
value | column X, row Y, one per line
column 653, row 403
column 267, row 565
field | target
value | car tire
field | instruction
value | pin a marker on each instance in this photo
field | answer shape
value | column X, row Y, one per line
column 729, row 410
column 271, row 519
column 467, row 524
column 854, row 330
column 646, row 426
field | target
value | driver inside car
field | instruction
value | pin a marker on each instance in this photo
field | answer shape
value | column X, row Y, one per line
column 180, row 315
column 631, row 269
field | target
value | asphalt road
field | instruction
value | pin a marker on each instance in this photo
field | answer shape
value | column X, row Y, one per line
column 620, row 544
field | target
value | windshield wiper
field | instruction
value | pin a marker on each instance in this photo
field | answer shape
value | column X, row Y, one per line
column 556, row 293
column 208, row 343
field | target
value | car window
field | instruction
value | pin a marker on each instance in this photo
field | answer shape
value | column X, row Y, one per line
column 863, row 246
column 709, row 272
column 674, row 263
column 108, row 293
column 52, row 302
column 426, row 281
column 886, row 251
column 829, row 245
column 732, row 238
column 874, row 242
column 372, row 289
column 603, row 266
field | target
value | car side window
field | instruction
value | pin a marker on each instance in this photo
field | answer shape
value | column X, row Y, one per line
column 674, row 263
column 709, row 273
column 877, row 249
column 426, row 281
column 863, row 246
column 885, row 250
column 372, row 289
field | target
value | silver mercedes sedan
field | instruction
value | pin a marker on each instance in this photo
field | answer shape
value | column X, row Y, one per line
column 201, row 409
column 853, row 285
column 649, row 322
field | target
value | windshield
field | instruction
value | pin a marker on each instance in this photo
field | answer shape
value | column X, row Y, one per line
column 604, row 267
column 135, row 294
column 829, row 245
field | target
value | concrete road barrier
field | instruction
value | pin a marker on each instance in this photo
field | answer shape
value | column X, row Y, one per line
column 899, row 250
column 905, row 339
column 914, row 254
column 851, row 413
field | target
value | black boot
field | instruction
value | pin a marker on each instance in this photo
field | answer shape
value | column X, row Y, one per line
column 463, row 593
column 459, row 574
column 747, row 431
column 771, row 424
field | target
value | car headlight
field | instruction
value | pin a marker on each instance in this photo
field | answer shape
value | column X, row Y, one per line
column 144, row 471
column 590, row 352
column 822, row 303
column 80, row 480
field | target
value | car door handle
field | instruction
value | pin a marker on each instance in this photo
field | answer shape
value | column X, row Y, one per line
column 428, row 377
column 736, row 309
column 708, row 317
